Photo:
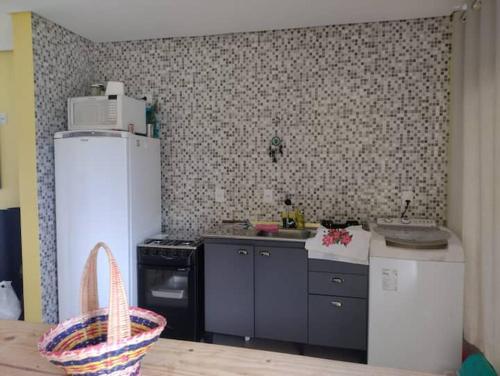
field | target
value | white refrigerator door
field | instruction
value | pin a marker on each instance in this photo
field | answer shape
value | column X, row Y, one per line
column 415, row 314
column 145, row 198
column 91, row 205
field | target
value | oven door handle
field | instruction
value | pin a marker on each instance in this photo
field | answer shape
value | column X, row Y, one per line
column 167, row 257
column 165, row 267
column 168, row 294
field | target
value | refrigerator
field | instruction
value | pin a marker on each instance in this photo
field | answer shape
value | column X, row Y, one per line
column 107, row 186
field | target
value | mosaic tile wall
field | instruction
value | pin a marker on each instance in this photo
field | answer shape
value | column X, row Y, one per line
column 362, row 109
column 62, row 68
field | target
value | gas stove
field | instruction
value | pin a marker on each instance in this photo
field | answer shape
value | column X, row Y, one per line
column 170, row 270
column 183, row 241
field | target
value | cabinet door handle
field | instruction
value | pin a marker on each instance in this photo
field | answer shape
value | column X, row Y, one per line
column 265, row 253
column 337, row 280
column 243, row 252
column 336, row 304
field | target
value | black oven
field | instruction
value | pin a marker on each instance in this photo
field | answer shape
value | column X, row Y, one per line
column 170, row 282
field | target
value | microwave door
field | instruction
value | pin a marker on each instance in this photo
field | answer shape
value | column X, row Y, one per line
column 93, row 113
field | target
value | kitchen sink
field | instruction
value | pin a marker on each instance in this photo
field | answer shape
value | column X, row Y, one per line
column 286, row 234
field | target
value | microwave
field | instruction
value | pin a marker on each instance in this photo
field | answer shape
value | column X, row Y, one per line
column 114, row 112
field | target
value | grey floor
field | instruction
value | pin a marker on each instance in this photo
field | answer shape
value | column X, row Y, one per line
column 292, row 348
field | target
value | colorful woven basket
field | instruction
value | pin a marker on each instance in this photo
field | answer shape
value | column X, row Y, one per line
column 107, row 341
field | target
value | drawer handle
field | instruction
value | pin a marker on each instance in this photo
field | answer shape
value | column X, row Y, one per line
column 243, row 252
column 265, row 253
column 336, row 304
column 337, row 280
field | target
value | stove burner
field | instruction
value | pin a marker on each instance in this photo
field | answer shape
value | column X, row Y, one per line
column 186, row 242
column 155, row 242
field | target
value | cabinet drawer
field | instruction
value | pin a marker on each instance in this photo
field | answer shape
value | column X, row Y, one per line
column 329, row 266
column 338, row 284
column 338, row 322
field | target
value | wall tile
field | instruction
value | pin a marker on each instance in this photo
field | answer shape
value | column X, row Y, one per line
column 62, row 69
column 362, row 108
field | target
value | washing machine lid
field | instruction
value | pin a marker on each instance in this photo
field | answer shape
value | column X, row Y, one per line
column 429, row 248
column 413, row 237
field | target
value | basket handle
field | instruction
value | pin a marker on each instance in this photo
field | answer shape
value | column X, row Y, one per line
column 119, row 318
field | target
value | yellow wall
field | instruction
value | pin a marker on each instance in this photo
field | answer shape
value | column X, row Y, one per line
column 24, row 119
column 9, row 189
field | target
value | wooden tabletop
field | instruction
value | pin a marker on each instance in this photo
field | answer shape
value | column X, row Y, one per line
column 19, row 357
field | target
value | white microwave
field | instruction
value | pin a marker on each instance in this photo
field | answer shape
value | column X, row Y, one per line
column 115, row 112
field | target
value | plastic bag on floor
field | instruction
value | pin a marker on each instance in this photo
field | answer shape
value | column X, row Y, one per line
column 10, row 306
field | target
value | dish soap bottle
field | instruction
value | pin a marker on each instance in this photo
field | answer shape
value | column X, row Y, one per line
column 299, row 219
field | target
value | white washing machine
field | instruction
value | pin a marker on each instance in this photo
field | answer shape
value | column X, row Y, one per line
column 416, row 306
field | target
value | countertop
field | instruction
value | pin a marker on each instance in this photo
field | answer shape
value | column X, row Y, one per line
column 236, row 231
column 19, row 357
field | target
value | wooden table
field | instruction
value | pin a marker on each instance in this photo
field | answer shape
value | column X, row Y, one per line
column 19, row 357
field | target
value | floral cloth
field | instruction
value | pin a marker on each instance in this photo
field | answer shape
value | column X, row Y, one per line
column 337, row 236
column 347, row 245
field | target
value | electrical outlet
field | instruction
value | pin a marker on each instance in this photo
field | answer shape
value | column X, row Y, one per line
column 268, row 196
column 219, row 194
column 406, row 196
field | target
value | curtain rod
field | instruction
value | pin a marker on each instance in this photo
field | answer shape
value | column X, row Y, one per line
column 465, row 7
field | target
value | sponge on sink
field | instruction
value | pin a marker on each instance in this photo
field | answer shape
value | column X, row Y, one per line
column 267, row 227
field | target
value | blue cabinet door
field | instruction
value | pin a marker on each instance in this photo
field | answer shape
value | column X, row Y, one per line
column 229, row 289
column 281, row 294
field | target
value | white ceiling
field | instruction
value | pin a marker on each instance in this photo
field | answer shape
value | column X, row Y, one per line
column 112, row 20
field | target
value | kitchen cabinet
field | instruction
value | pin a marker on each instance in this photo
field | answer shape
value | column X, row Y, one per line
column 281, row 293
column 256, row 289
column 338, row 321
column 270, row 289
column 338, row 284
column 229, row 289
column 338, row 304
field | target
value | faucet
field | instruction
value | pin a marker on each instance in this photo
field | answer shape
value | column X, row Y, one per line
column 246, row 224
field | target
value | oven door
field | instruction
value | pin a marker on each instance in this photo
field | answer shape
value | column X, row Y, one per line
column 169, row 291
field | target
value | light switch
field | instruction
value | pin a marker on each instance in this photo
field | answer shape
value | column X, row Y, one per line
column 268, row 196
column 3, row 118
column 219, row 194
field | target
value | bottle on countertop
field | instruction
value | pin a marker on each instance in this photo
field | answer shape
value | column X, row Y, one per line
column 299, row 218
column 288, row 217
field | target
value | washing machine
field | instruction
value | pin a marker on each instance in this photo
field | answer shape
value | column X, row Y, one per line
column 415, row 298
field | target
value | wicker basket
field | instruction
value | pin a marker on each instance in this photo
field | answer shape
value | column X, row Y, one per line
column 108, row 341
